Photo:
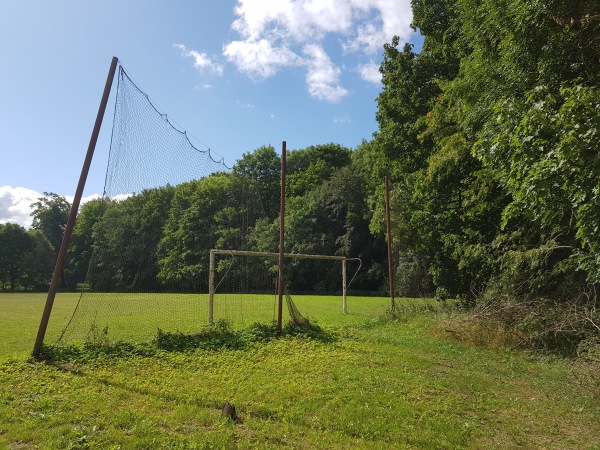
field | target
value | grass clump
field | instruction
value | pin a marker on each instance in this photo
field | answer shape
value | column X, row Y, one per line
column 219, row 336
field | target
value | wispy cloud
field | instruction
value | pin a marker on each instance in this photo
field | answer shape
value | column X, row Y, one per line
column 202, row 61
column 245, row 105
column 342, row 120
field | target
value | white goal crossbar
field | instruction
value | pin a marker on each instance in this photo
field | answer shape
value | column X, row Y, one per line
column 211, row 280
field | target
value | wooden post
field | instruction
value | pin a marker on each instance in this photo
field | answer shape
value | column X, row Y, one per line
column 344, row 302
column 281, row 240
column 389, row 243
column 211, row 288
column 62, row 253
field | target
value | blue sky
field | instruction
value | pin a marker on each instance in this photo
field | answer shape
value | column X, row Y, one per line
column 234, row 74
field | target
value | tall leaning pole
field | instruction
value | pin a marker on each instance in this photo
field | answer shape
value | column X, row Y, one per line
column 281, row 240
column 60, row 260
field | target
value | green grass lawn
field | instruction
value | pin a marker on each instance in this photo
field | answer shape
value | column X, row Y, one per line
column 379, row 384
column 138, row 316
column 20, row 316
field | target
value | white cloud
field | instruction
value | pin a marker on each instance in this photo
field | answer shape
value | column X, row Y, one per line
column 323, row 76
column 84, row 200
column 285, row 33
column 259, row 59
column 370, row 72
column 204, row 86
column 15, row 205
column 299, row 20
column 201, row 60
column 387, row 18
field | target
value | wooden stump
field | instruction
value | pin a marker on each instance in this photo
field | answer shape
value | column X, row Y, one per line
column 228, row 412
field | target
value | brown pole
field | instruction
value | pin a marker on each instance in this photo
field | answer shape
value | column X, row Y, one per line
column 60, row 260
column 281, row 241
column 389, row 242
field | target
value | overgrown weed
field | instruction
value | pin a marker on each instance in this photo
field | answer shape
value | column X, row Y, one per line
column 219, row 336
column 464, row 328
column 406, row 309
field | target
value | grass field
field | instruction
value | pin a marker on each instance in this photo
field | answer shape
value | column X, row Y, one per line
column 380, row 383
column 138, row 316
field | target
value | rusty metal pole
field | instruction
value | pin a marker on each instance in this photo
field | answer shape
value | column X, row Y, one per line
column 62, row 254
column 281, row 240
column 389, row 243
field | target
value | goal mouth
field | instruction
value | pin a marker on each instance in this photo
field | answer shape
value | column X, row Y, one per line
column 220, row 277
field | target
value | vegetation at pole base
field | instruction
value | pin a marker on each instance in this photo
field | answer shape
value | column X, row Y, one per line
column 218, row 337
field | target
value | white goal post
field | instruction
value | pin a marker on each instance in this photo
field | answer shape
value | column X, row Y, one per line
column 211, row 279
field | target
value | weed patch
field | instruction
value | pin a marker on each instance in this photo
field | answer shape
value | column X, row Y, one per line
column 220, row 336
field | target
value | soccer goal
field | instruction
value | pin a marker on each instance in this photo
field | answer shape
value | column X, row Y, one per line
column 249, row 280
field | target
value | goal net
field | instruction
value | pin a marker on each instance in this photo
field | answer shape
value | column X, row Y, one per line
column 235, row 272
column 178, row 240
column 142, row 251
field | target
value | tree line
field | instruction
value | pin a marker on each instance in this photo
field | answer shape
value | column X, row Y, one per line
column 159, row 239
column 491, row 137
column 27, row 256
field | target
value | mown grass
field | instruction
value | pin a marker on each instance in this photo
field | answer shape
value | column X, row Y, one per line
column 20, row 315
column 135, row 317
column 383, row 382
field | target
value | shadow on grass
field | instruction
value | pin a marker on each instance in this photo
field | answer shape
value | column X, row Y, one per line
column 220, row 336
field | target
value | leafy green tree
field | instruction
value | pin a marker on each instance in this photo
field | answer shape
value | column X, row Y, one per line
column 15, row 248
column 263, row 165
column 312, row 166
column 489, row 136
column 126, row 241
column 526, row 98
column 330, row 219
column 82, row 239
column 50, row 214
column 39, row 262
column 215, row 212
column 402, row 149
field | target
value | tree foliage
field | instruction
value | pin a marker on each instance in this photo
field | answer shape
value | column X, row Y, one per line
column 50, row 214
column 490, row 136
column 26, row 258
